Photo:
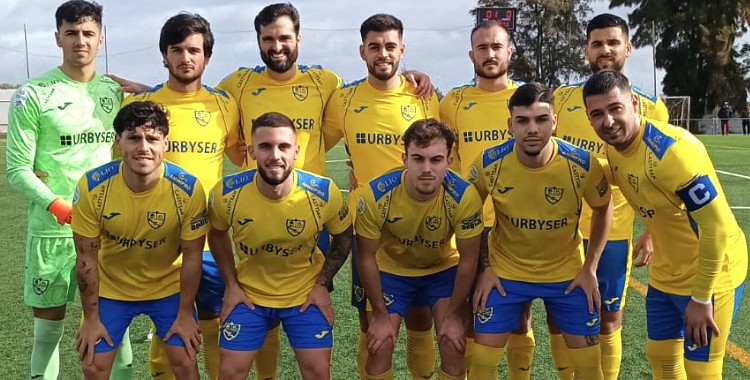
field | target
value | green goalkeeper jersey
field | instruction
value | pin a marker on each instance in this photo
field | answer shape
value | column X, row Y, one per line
column 58, row 129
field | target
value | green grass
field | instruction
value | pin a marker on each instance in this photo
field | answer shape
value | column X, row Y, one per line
column 729, row 154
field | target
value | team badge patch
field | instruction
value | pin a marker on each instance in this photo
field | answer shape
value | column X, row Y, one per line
column 156, row 219
column 344, row 212
column 76, row 196
column 359, row 293
column 408, row 112
column 473, row 174
column 295, row 226
column 19, row 98
column 388, row 299
column 300, row 92
column 633, row 181
column 107, row 104
column 39, row 285
column 360, row 206
column 485, row 315
column 553, row 194
column 230, row 330
column 202, row 117
column 602, row 187
column 432, row 222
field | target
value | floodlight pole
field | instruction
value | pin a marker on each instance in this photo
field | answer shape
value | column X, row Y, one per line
column 653, row 53
column 106, row 51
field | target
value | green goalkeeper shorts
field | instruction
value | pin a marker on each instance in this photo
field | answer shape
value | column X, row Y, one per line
column 50, row 272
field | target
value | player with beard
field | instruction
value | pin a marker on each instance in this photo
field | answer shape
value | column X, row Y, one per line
column 479, row 115
column 537, row 185
column 276, row 214
column 406, row 221
column 607, row 47
column 371, row 116
column 204, row 125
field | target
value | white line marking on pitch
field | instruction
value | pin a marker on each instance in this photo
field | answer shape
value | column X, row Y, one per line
column 332, row 161
column 733, row 174
column 727, row 147
column 740, row 207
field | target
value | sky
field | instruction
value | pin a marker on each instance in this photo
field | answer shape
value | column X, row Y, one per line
column 436, row 36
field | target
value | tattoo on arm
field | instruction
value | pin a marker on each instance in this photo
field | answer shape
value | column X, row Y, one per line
column 484, row 252
column 337, row 254
column 592, row 340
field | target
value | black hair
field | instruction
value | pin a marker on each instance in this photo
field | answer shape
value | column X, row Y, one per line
column 605, row 81
column 272, row 120
column 423, row 132
column 529, row 94
column 142, row 114
column 75, row 11
column 182, row 26
column 607, row 20
column 381, row 22
column 273, row 12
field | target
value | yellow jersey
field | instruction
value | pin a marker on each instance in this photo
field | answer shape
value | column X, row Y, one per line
column 668, row 178
column 140, row 233
column 536, row 237
column 276, row 238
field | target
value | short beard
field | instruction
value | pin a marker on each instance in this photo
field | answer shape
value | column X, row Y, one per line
column 280, row 67
column 503, row 69
column 273, row 181
column 616, row 66
column 380, row 75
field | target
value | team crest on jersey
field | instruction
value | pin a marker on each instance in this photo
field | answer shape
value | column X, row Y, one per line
column 485, row 315
column 408, row 112
column 39, row 285
column 473, row 174
column 202, row 117
column 359, row 293
column 107, row 104
column 553, row 194
column 295, row 226
column 156, row 219
column 360, row 206
column 633, row 181
column 230, row 330
column 432, row 222
column 300, row 92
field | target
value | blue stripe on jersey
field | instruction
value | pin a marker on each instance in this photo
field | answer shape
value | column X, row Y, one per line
column 385, row 183
column 236, row 181
column 216, row 91
column 354, row 83
column 179, row 177
column 152, row 89
column 657, row 141
column 303, row 68
column 698, row 193
column 573, row 153
column 258, row 69
column 102, row 173
column 642, row 93
column 454, row 185
column 497, row 152
column 314, row 184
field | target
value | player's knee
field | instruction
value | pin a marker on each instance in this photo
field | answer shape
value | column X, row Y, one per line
column 610, row 322
column 96, row 370
column 182, row 365
column 319, row 369
column 451, row 359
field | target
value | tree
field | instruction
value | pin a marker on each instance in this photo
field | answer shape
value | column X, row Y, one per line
column 549, row 38
column 695, row 44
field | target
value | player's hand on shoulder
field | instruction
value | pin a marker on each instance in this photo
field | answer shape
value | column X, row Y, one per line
column 319, row 297
column 90, row 333
column 127, row 86
column 186, row 327
column 486, row 281
column 421, row 82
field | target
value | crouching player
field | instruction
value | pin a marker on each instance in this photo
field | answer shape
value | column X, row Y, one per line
column 277, row 214
column 405, row 223
column 139, row 225
column 537, row 185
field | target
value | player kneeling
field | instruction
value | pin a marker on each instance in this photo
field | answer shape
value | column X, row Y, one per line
column 405, row 223
column 276, row 214
column 139, row 226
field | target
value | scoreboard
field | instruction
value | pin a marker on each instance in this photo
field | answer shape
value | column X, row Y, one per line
column 505, row 16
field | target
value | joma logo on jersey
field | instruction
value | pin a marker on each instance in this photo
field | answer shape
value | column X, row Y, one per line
column 633, row 181
column 202, row 117
column 156, row 219
column 87, row 138
column 433, row 222
column 377, row 138
column 230, row 330
column 468, row 106
column 295, row 226
column 300, row 92
column 408, row 112
column 258, row 91
column 107, row 104
column 493, row 135
column 553, row 194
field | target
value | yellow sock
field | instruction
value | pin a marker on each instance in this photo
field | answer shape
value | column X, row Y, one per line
column 665, row 359
column 485, row 362
column 704, row 370
column 469, row 351
column 444, row 376
column 387, row 375
column 362, row 354
column 611, row 346
column 520, row 352
column 587, row 362
column 420, row 354
column 559, row 352
column 267, row 358
column 210, row 331
column 157, row 359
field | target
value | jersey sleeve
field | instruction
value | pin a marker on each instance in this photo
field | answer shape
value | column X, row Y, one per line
column 85, row 221
column 469, row 215
column 687, row 171
column 338, row 218
column 232, row 122
column 332, row 83
column 195, row 219
column 432, row 107
column 333, row 120
column 447, row 116
column 23, row 130
column 217, row 209
column 660, row 111
column 597, row 192
column 231, row 84
column 366, row 222
column 477, row 177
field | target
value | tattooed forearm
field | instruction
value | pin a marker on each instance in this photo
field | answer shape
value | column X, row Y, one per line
column 484, row 253
column 339, row 251
column 592, row 340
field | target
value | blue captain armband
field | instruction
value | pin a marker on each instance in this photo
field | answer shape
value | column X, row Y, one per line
column 698, row 193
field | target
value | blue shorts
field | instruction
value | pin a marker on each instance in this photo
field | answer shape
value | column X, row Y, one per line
column 402, row 292
column 211, row 288
column 245, row 329
column 665, row 315
column 613, row 273
column 117, row 315
column 570, row 312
